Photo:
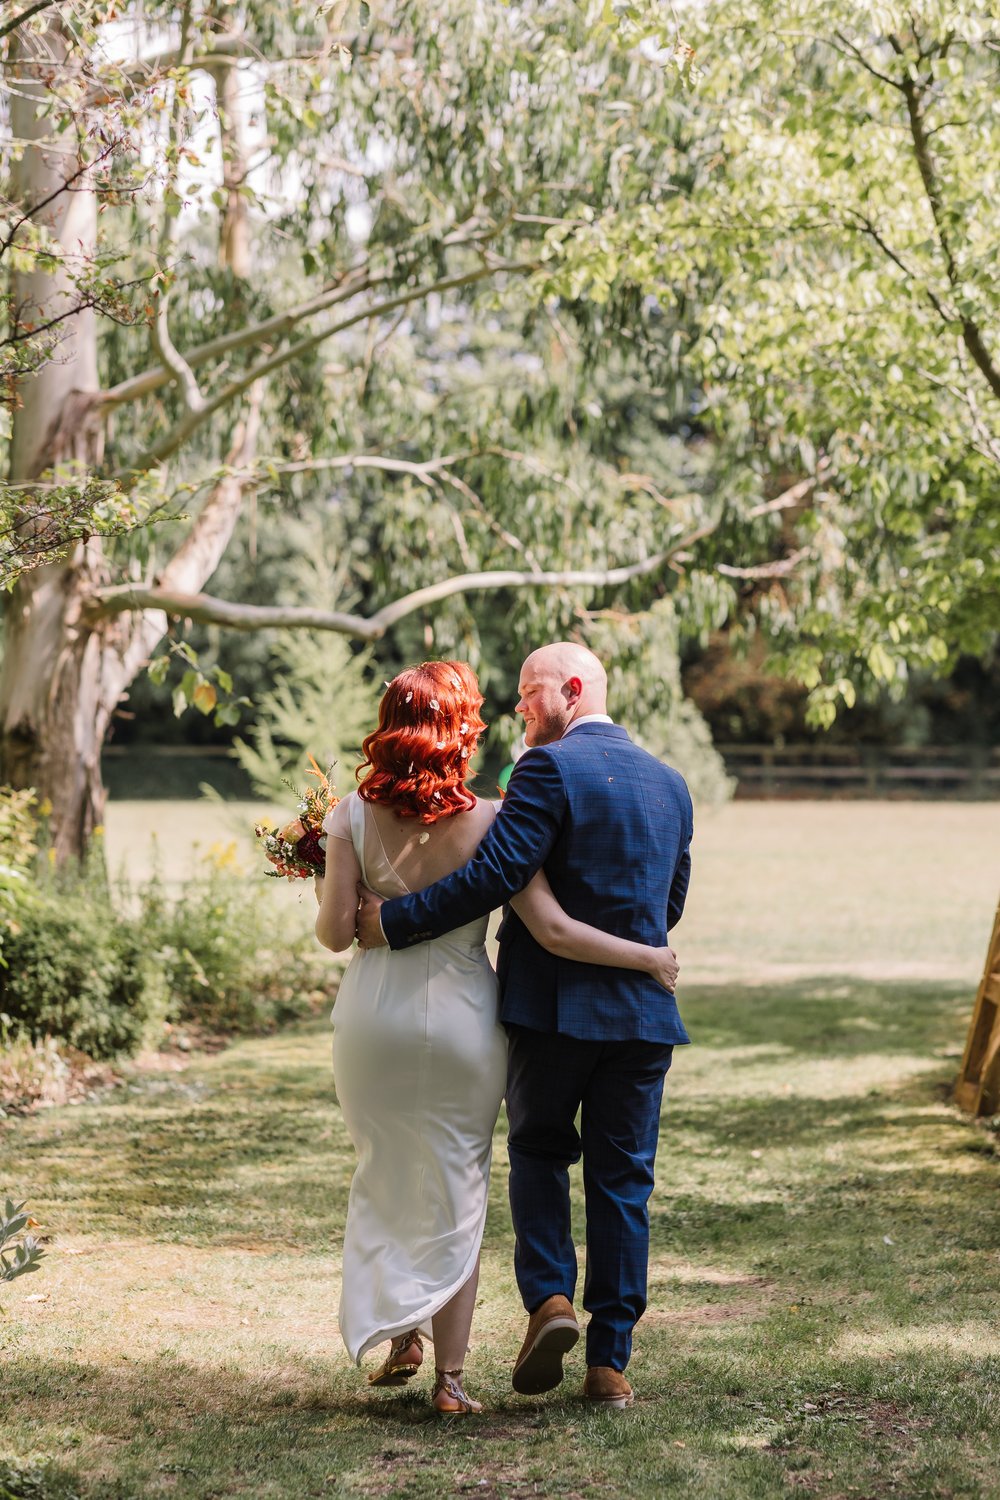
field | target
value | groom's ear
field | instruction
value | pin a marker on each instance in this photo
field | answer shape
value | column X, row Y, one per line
column 572, row 688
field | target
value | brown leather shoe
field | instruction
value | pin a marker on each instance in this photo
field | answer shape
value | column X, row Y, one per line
column 552, row 1332
column 607, row 1387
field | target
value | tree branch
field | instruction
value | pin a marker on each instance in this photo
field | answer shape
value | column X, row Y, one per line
column 64, row 187
column 189, row 423
column 355, row 281
column 163, row 345
column 787, row 500
column 26, row 15
column 148, row 381
column 972, row 335
column 91, row 300
column 779, row 569
column 124, row 598
column 866, row 226
column 231, row 50
column 195, row 559
column 859, row 56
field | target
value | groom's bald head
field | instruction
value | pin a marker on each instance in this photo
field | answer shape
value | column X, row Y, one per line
column 559, row 683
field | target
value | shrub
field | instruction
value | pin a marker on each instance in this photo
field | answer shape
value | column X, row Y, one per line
column 102, row 970
column 77, row 970
column 72, row 966
column 682, row 738
column 216, row 977
column 303, row 714
column 17, row 855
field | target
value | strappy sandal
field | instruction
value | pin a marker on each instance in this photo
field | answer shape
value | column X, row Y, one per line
column 448, row 1397
column 406, row 1355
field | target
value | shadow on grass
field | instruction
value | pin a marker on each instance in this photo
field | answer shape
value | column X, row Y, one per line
column 166, row 1426
column 824, row 1239
column 203, row 1156
column 148, row 1427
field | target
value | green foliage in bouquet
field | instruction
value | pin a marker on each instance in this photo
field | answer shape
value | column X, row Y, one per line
column 19, row 1252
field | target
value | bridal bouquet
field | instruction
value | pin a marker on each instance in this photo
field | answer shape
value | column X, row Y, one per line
column 298, row 850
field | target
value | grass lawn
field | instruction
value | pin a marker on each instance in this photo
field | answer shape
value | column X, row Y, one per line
column 824, row 1307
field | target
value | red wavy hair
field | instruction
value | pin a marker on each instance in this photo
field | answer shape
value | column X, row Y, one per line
column 417, row 760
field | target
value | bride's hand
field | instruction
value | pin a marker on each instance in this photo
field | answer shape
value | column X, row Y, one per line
column 663, row 967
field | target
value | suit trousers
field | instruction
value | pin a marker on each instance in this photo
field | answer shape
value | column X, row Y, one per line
column 617, row 1087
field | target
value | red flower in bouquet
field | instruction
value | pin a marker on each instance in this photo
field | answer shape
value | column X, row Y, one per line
column 298, row 850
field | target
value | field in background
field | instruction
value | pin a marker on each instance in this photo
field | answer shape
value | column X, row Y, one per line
column 891, row 889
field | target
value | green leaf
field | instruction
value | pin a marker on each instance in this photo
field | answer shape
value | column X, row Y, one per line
column 158, row 668
column 881, row 664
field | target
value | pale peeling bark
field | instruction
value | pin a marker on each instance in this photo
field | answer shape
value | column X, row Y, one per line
column 63, row 672
column 234, row 241
column 50, row 694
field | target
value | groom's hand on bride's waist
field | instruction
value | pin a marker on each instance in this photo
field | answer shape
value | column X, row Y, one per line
column 369, row 923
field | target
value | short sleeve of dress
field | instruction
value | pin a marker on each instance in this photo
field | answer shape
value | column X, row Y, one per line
column 337, row 822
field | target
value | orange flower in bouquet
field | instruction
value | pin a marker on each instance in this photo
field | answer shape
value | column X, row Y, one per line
column 297, row 851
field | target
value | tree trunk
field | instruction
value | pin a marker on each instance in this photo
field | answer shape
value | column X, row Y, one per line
column 234, row 239
column 51, row 718
column 64, row 671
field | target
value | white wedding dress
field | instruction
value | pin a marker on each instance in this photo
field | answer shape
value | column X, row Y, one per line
column 419, row 1062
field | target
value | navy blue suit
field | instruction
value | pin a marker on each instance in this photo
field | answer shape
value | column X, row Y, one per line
column 612, row 827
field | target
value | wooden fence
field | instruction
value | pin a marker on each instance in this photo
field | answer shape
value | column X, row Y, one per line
column 761, row 771
column 825, row 770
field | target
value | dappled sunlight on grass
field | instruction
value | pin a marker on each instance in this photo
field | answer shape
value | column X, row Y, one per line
column 823, row 1308
column 752, row 1075
column 805, row 1249
column 972, row 1338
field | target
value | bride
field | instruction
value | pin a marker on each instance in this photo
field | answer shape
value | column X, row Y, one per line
column 419, row 1055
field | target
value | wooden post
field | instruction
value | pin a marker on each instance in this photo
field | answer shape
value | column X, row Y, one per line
column 978, row 1087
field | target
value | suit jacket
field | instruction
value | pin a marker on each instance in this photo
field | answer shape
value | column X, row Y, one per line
column 612, row 827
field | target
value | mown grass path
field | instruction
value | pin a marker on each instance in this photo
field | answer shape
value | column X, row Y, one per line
column 823, row 1311
column 825, row 1280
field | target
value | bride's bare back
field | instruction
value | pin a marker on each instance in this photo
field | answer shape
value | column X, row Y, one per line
column 404, row 855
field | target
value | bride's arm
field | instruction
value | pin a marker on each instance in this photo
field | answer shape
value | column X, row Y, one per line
column 564, row 936
column 337, row 894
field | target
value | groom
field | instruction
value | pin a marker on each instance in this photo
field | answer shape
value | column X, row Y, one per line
column 612, row 826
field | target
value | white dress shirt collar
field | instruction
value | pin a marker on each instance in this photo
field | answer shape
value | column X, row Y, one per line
column 588, row 719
